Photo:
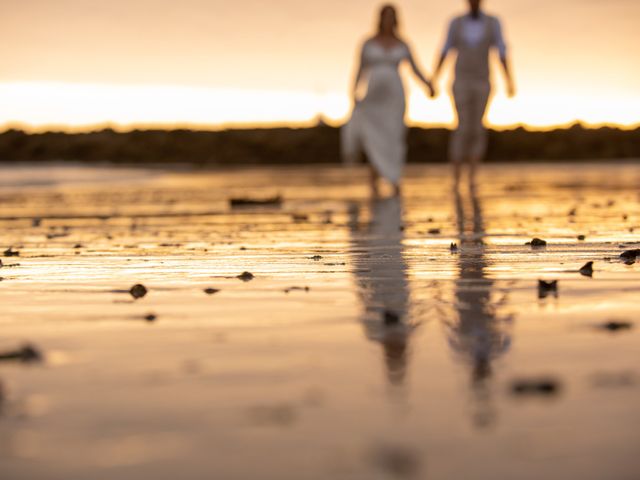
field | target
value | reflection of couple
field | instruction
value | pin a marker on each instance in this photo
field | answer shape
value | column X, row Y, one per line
column 377, row 126
column 477, row 332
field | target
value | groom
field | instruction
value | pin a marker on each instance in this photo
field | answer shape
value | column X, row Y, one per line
column 472, row 36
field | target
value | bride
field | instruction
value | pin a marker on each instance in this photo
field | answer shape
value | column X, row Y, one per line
column 376, row 127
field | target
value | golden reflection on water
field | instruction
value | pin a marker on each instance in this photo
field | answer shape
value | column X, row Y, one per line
column 261, row 368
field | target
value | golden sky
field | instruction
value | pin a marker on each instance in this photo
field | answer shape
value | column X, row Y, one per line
column 78, row 63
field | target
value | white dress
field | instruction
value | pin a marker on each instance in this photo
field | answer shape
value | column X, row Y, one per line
column 377, row 124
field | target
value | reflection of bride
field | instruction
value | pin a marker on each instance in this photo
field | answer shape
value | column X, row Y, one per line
column 381, row 275
column 478, row 335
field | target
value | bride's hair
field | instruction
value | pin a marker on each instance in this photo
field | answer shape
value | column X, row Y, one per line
column 383, row 11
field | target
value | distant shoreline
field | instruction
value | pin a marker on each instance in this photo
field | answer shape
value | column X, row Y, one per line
column 292, row 146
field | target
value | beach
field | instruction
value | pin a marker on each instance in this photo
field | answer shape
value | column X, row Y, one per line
column 320, row 334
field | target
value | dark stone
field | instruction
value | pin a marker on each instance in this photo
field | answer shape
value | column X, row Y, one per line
column 587, row 270
column 537, row 243
column 252, row 202
column 547, row 288
column 211, row 291
column 582, row 238
column 630, row 255
column 138, row 291
column 246, row 276
column 535, row 387
column 10, row 252
column 151, row 318
column 434, row 231
column 26, row 354
column 316, row 258
column 616, row 326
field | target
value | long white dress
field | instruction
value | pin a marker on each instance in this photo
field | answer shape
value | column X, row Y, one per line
column 377, row 124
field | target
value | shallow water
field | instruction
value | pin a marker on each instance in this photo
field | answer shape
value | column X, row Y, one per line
column 258, row 382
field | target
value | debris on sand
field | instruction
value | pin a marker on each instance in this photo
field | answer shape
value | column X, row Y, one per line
column 26, row 354
column 246, row 276
column 211, row 291
column 36, row 222
column 255, row 202
column 547, row 288
column 544, row 387
column 316, row 258
column 151, row 318
column 616, row 326
column 630, row 256
column 537, row 243
column 454, row 248
column 582, row 238
column 10, row 252
column 434, row 231
column 296, row 289
column 391, row 318
column 138, row 291
column 300, row 217
column 587, row 270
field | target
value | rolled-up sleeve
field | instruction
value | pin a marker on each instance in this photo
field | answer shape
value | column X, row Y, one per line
column 448, row 45
column 500, row 43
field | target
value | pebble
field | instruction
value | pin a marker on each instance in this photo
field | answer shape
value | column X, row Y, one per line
column 211, row 291
column 616, row 326
column 535, row 387
column 246, row 276
column 10, row 252
column 587, row 270
column 138, row 291
column 26, row 354
column 537, row 243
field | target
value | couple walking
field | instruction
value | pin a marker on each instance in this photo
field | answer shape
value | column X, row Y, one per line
column 377, row 127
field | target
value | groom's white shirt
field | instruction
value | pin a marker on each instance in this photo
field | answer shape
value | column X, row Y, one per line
column 473, row 31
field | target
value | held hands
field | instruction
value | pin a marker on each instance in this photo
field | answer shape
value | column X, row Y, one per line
column 431, row 91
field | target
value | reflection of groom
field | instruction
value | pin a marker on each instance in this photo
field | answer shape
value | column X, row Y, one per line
column 472, row 36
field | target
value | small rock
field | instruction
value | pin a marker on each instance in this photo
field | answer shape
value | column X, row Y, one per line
column 10, row 252
column 36, row 222
column 582, row 238
column 537, row 243
column 300, row 217
column 434, row 231
column 546, row 288
column 630, row 255
column 26, row 354
column 211, row 291
column 251, row 202
column 79, row 245
column 616, row 326
column 138, row 291
column 151, row 318
column 246, row 276
column 587, row 270
column 292, row 289
column 535, row 387
column 316, row 258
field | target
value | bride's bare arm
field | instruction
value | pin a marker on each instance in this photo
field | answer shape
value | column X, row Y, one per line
column 418, row 72
column 359, row 72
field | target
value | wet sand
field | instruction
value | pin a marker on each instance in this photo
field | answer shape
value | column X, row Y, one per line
column 364, row 346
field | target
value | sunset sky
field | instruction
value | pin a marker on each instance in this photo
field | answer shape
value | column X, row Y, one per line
column 80, row 63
